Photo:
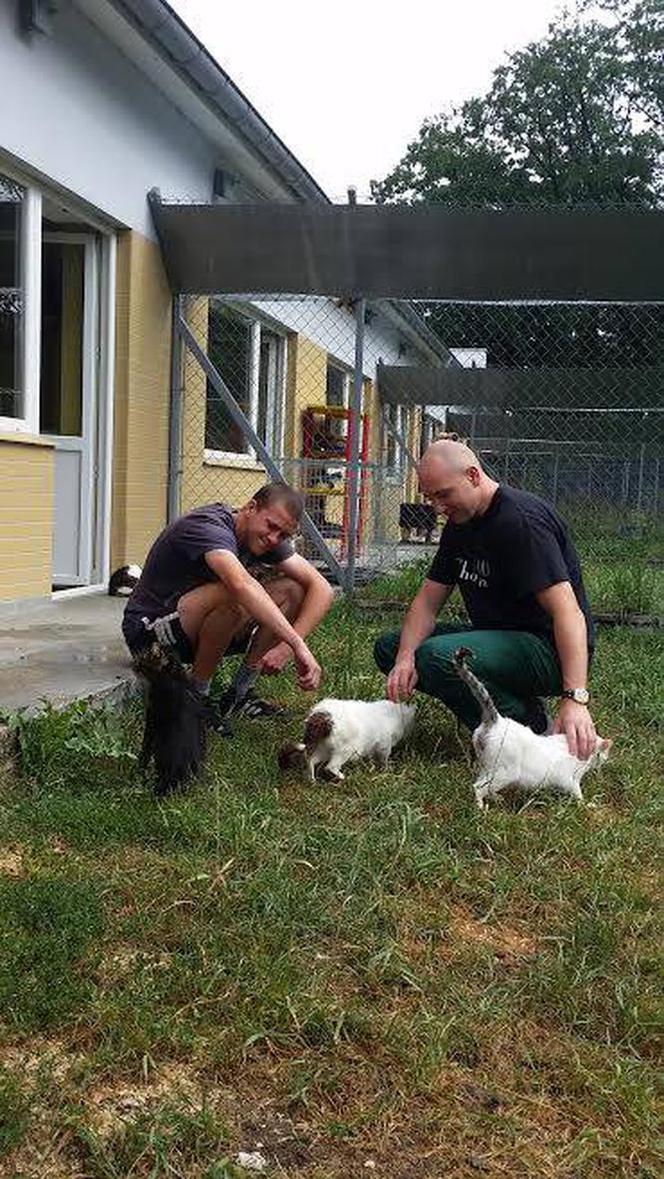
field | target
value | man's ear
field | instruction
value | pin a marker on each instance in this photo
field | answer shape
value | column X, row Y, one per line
column 473, row 474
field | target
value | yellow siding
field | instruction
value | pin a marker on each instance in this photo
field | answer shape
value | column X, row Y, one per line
column 306, row 383
column 26, row 519
column 142, row 394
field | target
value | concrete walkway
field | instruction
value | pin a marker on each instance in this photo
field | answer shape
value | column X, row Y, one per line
column 61, row 651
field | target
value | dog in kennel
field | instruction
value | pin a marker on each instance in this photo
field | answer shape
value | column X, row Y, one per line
column 417, row 523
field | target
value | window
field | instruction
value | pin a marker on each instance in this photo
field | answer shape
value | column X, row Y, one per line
column 427, row 432
column 271, row 375
column 337, row 393
column 396, row 420
column 11, row 299
column 229, row 349
column 251, row 361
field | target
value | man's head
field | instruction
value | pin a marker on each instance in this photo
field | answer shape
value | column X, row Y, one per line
column 452, row 479
column 271, row 516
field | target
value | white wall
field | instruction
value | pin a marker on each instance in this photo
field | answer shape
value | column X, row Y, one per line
column 77, row 111
column 333, row 328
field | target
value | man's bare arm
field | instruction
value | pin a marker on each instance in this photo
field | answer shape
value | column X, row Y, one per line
column 318, row 594
column 418, row 625
column 318, row 597
column 252, row 598
column 570, row 634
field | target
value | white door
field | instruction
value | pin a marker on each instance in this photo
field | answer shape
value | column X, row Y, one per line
column 68, row 400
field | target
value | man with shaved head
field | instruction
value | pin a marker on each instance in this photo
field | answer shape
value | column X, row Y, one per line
column 530, row 626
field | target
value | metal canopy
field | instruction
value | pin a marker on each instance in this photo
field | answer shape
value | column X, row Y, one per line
column 412, row 253
column 497, row 387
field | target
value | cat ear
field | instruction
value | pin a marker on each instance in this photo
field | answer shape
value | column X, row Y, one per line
column 605, row 743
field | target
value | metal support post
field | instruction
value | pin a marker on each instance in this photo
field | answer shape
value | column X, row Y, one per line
column 354, row 450
column 174, row 498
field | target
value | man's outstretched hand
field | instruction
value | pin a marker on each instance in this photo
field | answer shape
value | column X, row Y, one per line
column 402, row 680
column 575, row 721
column 307, row 669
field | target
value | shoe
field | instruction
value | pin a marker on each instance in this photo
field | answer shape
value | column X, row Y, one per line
column 538, row 718
column 209, row 712
column 251, row 706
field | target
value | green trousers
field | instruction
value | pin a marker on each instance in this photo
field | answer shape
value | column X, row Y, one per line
column 515, row 666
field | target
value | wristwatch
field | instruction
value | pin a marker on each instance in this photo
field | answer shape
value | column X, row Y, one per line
column 579, row 695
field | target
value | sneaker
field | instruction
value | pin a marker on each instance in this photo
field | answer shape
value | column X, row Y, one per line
column 538, row 718
column 251, row 706
column 209, row 712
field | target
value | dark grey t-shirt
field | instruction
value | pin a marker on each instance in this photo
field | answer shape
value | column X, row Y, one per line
column 176, row 562
column 502, row 559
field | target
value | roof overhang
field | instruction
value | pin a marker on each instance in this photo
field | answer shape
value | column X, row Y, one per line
column 413, row 253
column 540, row 388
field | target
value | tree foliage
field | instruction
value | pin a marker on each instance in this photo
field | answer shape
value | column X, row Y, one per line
column 574, row 119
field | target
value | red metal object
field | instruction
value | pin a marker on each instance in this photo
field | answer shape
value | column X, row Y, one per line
column 319, row 444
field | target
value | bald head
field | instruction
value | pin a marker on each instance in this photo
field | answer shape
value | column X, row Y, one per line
column 452, row 479
column 455, row 454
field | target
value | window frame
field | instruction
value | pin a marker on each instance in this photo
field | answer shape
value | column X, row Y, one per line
column 276, row 400
column 30, row 247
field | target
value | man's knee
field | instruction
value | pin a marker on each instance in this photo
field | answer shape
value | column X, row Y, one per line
column 385, row 649
column 435, row 656
column 212, row 599
column 287, row 594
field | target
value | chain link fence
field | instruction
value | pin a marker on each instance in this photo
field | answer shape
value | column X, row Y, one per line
column 564, row 400
column 290, row 366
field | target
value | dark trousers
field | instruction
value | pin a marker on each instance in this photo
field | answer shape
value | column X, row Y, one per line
column 514, row 665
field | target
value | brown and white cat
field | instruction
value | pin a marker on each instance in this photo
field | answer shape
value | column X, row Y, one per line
column 338, row 731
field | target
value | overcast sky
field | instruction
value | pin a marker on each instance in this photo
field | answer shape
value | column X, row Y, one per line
column 347, row 84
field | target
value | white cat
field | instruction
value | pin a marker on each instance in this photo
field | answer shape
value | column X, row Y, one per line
column 510, row 754
column 338, row 731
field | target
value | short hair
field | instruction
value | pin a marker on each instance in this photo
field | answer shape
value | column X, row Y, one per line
column 450, row 436
column 280, row 493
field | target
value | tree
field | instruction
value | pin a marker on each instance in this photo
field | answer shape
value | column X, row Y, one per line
column 575, row 119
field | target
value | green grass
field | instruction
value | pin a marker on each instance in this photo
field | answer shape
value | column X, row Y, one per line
column 372, row 972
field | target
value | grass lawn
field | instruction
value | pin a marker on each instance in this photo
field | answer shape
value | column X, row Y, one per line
column 372, row 979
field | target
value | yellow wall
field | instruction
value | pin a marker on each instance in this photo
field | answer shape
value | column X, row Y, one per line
column 306, row 384
column 142, row 394
column 26, row 515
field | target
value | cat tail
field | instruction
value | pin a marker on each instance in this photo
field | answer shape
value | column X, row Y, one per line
column 317, row 727
column 490, row 713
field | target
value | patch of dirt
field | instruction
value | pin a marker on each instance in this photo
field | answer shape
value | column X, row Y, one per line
column 506, row 941
column 25, row 1059
column 113, row 1102
column 11, row 861
column 124, row 959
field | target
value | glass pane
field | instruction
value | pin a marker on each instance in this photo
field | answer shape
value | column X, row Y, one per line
column 61, row 397
column 267, row 389
column 229, row 349
column 334, row 394
column 11, row 298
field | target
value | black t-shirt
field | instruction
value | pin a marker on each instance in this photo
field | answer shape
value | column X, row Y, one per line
column 500, row 560
column 176, row 562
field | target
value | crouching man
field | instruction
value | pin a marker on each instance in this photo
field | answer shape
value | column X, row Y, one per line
column 219, row 582
column 530, row 626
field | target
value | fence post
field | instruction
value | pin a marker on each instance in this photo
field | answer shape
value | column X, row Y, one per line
column 556, row 465
column 174, row 495
column 639, row 493
column 354, row 450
